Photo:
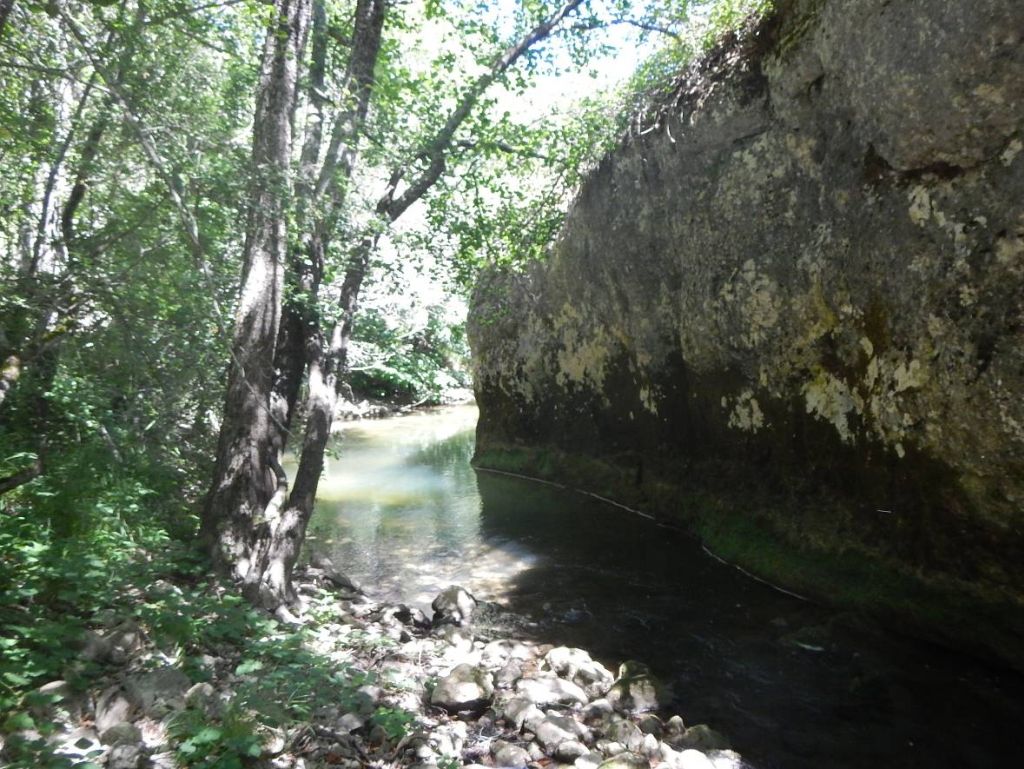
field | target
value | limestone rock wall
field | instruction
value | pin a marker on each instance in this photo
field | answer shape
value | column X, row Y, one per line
column 800, row 282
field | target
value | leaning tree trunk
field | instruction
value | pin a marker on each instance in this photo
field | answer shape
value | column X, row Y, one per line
column 302, row 337
column 244, row 479
column 327, row 363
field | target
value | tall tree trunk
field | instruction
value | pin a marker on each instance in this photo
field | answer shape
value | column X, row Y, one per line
column 244, row 482
column 305, row 340
column 328, row 362
column 321, row 190
column 305, row 261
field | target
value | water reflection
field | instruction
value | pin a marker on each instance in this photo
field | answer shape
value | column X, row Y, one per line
column 399, row 510
column 792, row 684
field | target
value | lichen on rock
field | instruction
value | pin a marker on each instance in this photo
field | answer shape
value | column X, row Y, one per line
column 814, row 289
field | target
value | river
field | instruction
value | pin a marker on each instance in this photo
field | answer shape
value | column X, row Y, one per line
column 793, row 684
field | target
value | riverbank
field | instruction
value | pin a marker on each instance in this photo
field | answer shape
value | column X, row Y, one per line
column 358, row 408
column 182, row 673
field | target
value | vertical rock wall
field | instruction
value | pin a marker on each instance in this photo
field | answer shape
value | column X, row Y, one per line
column 789, row 311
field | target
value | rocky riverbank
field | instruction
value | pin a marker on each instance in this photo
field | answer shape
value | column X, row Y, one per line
column 359, row 684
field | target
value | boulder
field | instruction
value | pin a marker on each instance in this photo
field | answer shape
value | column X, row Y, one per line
column 95, row 648
column 158, row 691
column 577, row 666
column 569, row 750
column 126, row 757
column 626, row 761
column 598, row 710
column 123, row 733
column 520, row 712
column 693, row 759
column 674, row 730
column 113, row 707
column 333, row 575
column 509, row 755
column 411, row 616
column 650, row 724
column 700, row 737
column 636, row 690
column 591, row 760
column 496, row 654
column 626, row 733
column 509, row 673
column 453, row 605
column 350, row 722
column 555, row 729
column 549, row 689
column 466, row 688
column 725, row 759
column 125, row 641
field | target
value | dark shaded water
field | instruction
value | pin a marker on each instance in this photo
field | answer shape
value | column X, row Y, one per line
column 791, row 683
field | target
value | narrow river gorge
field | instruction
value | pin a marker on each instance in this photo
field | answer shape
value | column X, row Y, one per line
column 791, row 683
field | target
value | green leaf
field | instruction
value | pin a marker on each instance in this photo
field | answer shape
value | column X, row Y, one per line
column 17, row 679
column 19, row 722
column 207, row 735
column 248, row 666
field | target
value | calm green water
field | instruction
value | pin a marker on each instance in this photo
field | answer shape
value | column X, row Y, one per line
column 793, row 684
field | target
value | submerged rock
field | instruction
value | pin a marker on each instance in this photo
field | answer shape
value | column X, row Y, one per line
column 701, row 737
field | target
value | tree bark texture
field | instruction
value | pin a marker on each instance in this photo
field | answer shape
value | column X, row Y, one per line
column 264, row 552
column 321, row 190
column 303, row 342
column 244, row 482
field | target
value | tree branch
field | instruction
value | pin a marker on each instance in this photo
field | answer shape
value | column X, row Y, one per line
column 173, row 184
column 20, row 478
column 505, row 147
column 641, row 24
column 390, row 207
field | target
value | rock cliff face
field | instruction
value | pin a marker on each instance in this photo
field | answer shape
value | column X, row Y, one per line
column 788, row 311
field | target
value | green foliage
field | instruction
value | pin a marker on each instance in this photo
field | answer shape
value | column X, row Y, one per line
column 231, row 742
column 698, row 27
column 50, row 597
column 394, row 721
column 407, row 356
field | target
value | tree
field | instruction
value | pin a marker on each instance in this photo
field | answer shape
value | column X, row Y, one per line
column 247, row 463
column 136, row 186
column 256, row 530
column 104, row 318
